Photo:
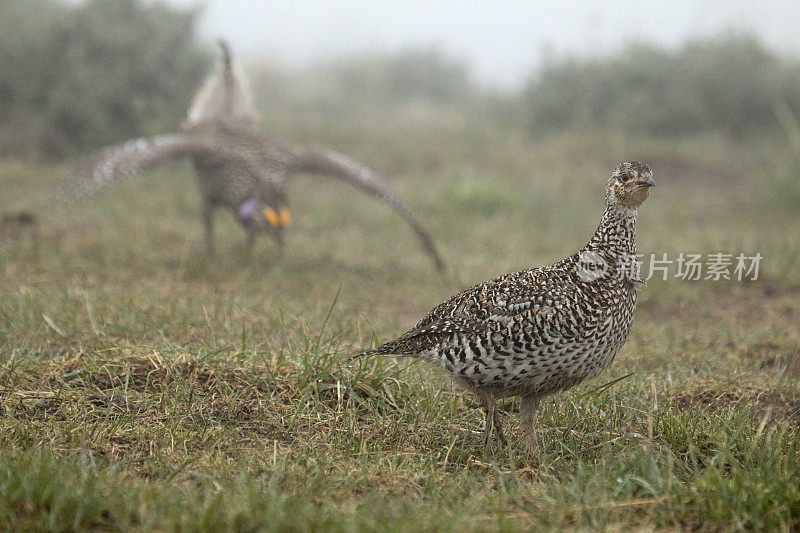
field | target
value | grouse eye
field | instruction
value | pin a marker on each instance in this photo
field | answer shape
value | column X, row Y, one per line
column 624, row 178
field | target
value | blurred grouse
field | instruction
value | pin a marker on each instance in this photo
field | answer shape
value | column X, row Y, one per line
column 540, row 331
column 237, row 166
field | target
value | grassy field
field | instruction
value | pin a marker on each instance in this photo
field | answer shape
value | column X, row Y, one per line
column 145, row 387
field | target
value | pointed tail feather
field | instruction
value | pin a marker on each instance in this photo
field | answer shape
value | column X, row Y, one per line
column 331, row 163
column 362, row 355
column 226, row 56
column 384, row 349
column 225, row 95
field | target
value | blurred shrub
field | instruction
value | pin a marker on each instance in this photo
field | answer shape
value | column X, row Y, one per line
column 424, row 79
column 78, row 76
column 729, row 84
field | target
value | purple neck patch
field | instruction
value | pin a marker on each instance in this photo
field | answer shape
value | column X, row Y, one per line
column 247, row 211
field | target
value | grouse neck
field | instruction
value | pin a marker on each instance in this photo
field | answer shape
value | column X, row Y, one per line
column 616, row 234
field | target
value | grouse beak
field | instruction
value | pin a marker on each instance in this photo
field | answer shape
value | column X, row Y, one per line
column 649, row 182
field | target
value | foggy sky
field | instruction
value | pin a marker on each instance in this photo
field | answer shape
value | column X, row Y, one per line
column 502, row 41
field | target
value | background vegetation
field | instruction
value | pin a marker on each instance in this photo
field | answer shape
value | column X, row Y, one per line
column 78, row 76
column 730, row 85
column 143, row 386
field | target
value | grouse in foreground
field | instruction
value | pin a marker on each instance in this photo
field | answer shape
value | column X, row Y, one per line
column 537, row 332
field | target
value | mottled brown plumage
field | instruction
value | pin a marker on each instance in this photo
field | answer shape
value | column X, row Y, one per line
column 237, row 166
column 540, row 331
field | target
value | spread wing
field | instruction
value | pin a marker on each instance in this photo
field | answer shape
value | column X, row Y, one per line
column 331, row 163
column 115, row 162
